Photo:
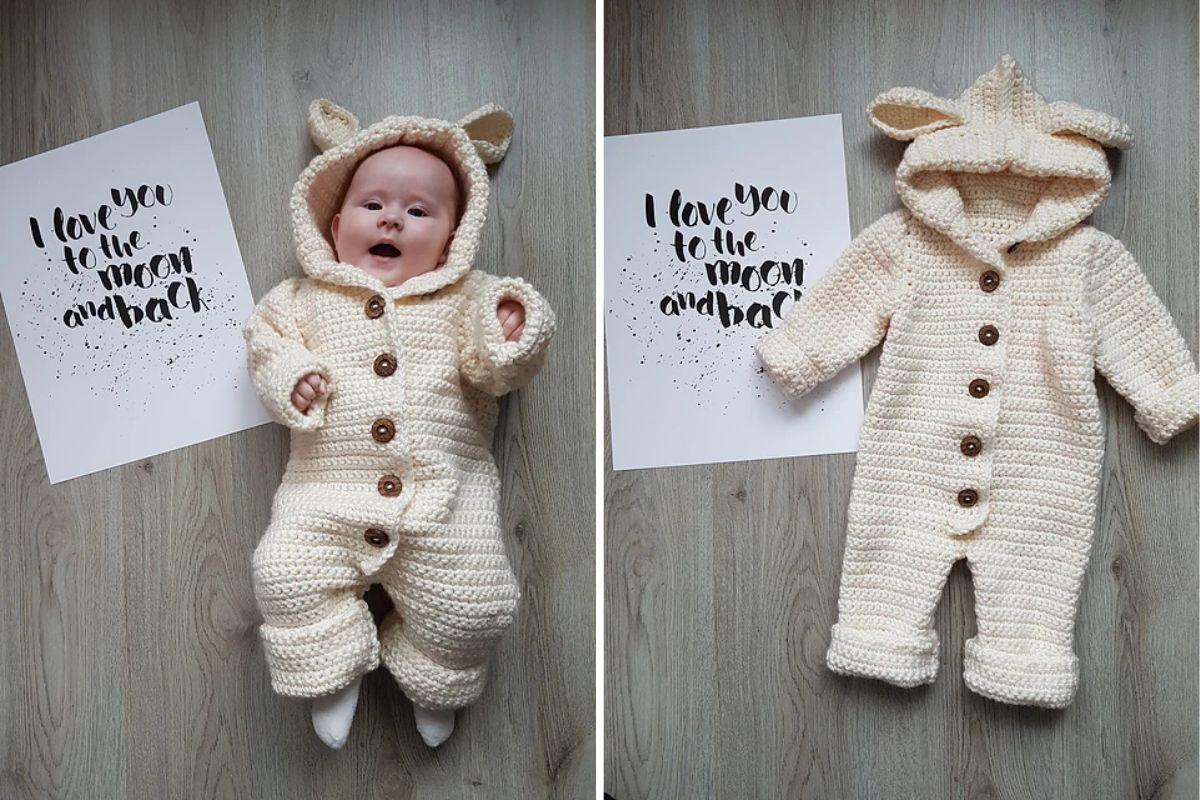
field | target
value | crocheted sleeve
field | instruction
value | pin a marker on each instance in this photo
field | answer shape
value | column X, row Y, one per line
column 488, row 361
column 846, row 314
column 278, row 358
column 1138, row 349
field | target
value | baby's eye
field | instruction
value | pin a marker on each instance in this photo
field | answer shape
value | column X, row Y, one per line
column 374, row 205
column 417, row 212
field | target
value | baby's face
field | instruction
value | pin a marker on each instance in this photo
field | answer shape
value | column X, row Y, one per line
column 398, row 215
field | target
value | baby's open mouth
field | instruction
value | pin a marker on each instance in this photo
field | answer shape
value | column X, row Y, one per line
column 385, row 250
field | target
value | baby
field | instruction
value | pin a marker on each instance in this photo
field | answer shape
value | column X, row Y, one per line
column 385, row 364
column 421, row 208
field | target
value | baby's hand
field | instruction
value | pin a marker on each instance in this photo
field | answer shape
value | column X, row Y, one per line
column 307, row 390
column 512, row 319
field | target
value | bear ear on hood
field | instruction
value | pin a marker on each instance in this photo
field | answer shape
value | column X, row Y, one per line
column 329, row 124
column 905, row 113
column 1067, row 117
column 490, row 128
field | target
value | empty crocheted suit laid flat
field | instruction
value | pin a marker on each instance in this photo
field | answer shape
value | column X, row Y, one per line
column 385, row 364
column 982, row 437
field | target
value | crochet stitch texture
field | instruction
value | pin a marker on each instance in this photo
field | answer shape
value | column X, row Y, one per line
column 982, row 438
column 391, row 479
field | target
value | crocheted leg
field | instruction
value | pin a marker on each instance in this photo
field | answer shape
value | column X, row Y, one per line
column 1026, row 596
column 317, row 632
column 454, row 594
column 891, row 581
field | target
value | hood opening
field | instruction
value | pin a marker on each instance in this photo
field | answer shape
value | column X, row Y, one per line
column 340, row 176
column 988, row 187
column 321, row 190
column 998, row 205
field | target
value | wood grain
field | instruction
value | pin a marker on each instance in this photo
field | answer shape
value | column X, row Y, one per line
column 721, row 580
column 131, row 665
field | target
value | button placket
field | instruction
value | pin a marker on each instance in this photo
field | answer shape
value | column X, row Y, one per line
column 383, row 428
column 968, row 495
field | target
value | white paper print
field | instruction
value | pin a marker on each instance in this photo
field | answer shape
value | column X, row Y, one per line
column 125, row 295
column 710, row 236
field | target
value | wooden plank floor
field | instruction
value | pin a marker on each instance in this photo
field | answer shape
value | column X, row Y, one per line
column 130, row 665
column 721, row 581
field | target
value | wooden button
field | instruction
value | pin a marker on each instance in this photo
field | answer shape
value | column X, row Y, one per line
column 376, row 537
column 385, row 365
column 989, row 335
column 979, row 388
column 970, row 446
column 989, row 280
column 382, row 430
column 375, row 307
column 968, row 498
column 389, row 486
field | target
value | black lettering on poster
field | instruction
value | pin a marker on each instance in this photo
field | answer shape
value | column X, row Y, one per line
column 702, row 236
column 121, row 262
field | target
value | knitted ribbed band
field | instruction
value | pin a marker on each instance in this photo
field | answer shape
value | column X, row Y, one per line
column 905, row 659
column 1046, row 679
column 426, row 682
column 320, row 658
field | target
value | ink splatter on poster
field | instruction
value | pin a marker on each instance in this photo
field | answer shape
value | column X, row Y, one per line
column 125, row 294
column 717, row 267
column 127, row 272
column 711, row 235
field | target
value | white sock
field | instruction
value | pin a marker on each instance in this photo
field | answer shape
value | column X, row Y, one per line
column 333, row 713
column 435, row 727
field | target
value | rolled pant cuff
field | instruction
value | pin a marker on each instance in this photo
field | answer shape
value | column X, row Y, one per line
column 427, row 683
column 323, row 657
column 904, row 659
column 1046, row 679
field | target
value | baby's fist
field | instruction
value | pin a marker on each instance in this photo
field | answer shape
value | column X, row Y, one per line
column 307, row 390
column 511, row 315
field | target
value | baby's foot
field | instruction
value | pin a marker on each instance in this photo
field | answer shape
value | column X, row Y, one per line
column 333, row 713
column 435, row 727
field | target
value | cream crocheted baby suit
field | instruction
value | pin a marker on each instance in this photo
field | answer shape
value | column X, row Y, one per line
column 982, row 438
column 391, row 478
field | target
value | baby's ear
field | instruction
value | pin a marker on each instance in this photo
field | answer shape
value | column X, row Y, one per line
column 329, row 124
column 490, row 128
column 905, row 113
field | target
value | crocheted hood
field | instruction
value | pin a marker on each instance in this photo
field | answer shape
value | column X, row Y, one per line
column 999, row 164
column 480, row 138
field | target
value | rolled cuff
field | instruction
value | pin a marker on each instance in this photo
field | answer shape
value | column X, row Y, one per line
column 1043, row 679
column 905, row 660
column 787, row 363
column 323, row 657
column 1166, row 413
column 424, row 681
column 500, row 366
